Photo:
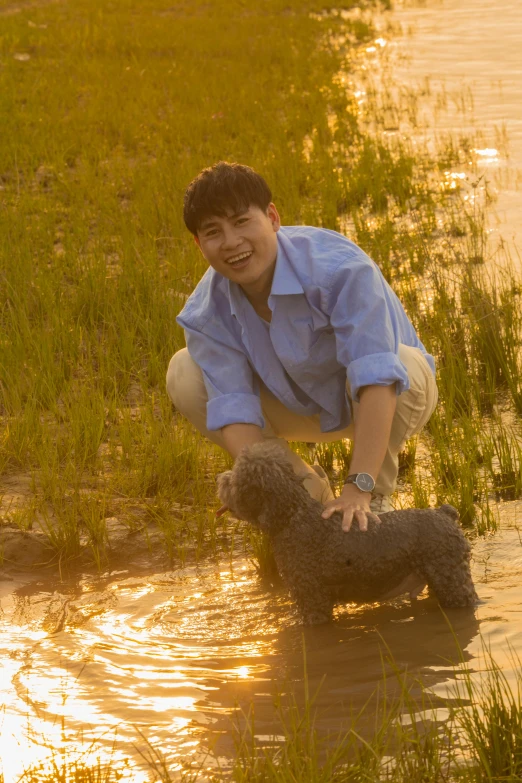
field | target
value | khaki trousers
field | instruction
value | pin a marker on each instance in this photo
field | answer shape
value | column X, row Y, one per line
column 186, row 389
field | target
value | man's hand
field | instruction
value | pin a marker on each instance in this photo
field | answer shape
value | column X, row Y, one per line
column 354, row 504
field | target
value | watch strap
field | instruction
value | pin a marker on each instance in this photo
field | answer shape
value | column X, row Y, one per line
column 352, row 479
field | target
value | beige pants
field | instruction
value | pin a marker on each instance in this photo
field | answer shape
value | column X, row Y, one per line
column 186, row 389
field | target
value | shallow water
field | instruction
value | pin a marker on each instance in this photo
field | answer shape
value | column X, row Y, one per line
column 173, row 654
column 469, row 53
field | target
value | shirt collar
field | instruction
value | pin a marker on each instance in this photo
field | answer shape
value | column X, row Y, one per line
column 285, row 279
column 285, row 282
column 235, row 297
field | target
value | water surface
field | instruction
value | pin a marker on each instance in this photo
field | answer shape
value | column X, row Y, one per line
column 174, row 654
column 469, row 52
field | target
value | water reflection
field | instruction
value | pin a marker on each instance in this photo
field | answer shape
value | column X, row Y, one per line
column 468, row 55
column 175, row 654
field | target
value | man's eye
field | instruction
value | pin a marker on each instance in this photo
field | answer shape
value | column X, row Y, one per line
column 241, row 220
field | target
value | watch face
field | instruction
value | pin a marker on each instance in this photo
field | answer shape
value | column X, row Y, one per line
column 365, row 482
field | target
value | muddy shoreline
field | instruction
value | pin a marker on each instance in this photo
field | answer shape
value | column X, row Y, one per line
column 28, row 553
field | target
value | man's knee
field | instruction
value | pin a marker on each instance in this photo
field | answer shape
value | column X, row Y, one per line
column 415, row 406
column 183, row 376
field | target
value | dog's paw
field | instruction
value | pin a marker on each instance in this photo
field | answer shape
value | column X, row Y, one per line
column 316, row 618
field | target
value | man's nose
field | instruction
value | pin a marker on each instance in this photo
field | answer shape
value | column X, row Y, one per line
column 231, row 239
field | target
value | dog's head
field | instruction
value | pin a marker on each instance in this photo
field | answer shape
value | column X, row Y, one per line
column 262, row 488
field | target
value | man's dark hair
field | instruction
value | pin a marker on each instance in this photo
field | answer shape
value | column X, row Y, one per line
column 222, row 189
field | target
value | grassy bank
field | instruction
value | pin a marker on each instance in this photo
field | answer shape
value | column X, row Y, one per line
column 110, row 109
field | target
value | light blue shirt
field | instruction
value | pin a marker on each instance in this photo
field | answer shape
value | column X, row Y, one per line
column 334, row 317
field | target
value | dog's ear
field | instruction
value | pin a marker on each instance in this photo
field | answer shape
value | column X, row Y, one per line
column 249, row 499
column 253, row 508
column 266, row 488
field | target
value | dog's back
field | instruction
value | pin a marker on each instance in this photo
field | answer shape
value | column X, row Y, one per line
column 364, row 566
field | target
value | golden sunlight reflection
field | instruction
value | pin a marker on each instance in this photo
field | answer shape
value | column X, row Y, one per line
column 452, row 179
column 176, row 658
column 149, row 660
column 487, row 155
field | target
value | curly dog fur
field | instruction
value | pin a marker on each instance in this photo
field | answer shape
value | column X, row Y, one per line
column 322, row 565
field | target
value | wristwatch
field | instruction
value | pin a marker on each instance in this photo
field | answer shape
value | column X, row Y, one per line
column 362, row 481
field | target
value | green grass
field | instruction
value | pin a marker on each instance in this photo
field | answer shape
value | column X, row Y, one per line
column 117, row 107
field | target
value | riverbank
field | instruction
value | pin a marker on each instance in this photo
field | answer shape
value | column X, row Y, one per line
column 96, row 262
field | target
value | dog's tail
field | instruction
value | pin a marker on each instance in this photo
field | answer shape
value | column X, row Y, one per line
column 450, row 511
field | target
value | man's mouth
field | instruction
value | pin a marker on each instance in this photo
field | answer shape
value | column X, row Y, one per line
column 240, row 260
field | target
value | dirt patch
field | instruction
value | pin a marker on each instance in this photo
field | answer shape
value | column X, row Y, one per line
column 22, row 549
column 29, row 550
column 15, row 491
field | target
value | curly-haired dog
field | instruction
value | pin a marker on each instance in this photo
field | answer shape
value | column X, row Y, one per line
column 323, row 565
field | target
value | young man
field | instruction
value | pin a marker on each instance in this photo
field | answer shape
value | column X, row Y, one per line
column 293, row 333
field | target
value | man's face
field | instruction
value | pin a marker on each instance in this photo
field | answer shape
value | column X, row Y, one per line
column 242, row 247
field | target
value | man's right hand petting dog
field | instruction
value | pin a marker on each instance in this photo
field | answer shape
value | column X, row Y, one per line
column 322, row 565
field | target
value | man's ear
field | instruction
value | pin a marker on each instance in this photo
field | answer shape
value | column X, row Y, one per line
column 198, row 243
column 273, row 216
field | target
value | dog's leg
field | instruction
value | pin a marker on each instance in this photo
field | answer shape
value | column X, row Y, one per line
column 314, row 601
column 414, row 594
column 412, row 584
column 451, row 582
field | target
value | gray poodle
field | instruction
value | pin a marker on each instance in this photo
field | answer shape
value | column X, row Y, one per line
column 323, row 565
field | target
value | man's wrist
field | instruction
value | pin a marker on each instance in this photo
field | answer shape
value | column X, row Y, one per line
column 362, row 480
column 351, row 494
column 353, row 490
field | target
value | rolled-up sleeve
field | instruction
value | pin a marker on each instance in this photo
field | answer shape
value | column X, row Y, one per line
column 362, row 314
column 233, row 393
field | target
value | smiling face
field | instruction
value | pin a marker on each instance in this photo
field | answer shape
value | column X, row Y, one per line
column 242, row 246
